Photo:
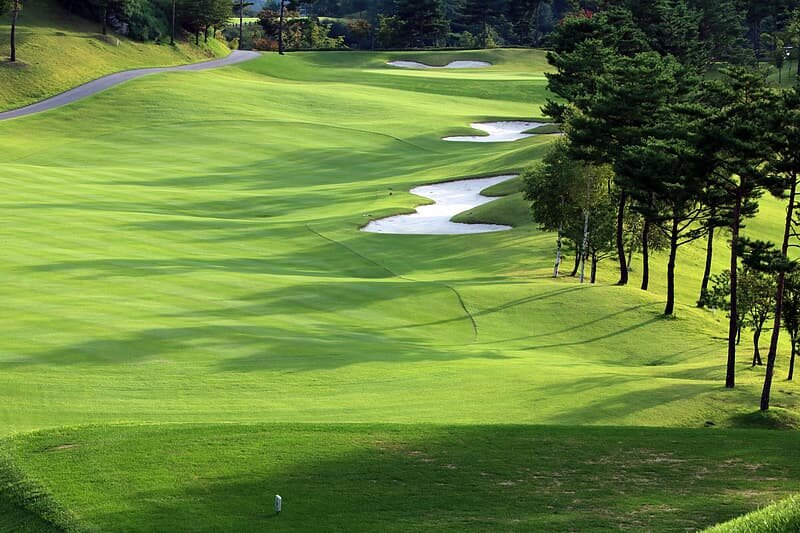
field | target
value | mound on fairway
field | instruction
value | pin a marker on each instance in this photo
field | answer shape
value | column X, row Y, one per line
column 184, row 258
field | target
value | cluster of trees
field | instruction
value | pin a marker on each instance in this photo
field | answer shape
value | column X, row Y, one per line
column 673, row 151
column 154, row 19
column 422, row 23
column 286, row 27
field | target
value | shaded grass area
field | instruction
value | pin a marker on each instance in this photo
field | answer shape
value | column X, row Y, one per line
column 25, row 506
column 21, row 520
column 401, row 478
column 58, row 51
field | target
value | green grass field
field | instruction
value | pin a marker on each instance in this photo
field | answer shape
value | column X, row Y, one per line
column 57, row 51
column 197, row 323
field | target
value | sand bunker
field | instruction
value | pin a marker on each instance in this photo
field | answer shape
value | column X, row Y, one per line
column 451, row 198
column 453, row 64
column 498, row 132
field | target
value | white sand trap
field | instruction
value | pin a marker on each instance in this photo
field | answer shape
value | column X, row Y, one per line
column 451, row 198
column 498, row 132
column 453, row 64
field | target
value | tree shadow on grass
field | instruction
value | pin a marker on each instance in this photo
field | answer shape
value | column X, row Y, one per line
column 319, row 260
column 613, row 405
column 257, row 349
column 497, row 309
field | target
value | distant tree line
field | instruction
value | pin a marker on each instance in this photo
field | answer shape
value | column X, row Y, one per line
column 653, row 145
column 769, row 28
column 438, row 23
column 763, row 25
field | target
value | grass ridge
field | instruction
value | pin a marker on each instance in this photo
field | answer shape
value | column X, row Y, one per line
column 26, row 496
column 776, row 518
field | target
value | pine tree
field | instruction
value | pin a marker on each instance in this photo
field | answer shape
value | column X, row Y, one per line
column 733, row 134
column 423, row 21
column 479, row 15
column 589, row 52
column 628, row 98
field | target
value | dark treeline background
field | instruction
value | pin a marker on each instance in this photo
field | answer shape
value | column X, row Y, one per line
column 370, row 24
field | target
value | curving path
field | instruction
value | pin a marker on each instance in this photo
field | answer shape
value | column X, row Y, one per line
column 106, row 82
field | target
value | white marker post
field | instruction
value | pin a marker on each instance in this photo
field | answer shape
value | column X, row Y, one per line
column 278, row 503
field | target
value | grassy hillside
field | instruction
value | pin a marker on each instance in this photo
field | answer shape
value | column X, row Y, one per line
column 57, row 51
column 185, row 253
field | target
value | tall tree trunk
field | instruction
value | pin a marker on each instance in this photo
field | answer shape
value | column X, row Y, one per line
column 14, row 17
column 669, row 309
column 577, row 263
column 756, row 353
column 585, row 247
column 594, row 268
column 623, row 270
column 791, row 361
column 707, row 272
column 756, row 39
column 241, row 23
column 646, row 255
column 733, row 324
column 558, row 251
column 280, row 27
column 105, row 19
column 197, row 37
column 776, row 325
column 172, row 29
column 205, row 34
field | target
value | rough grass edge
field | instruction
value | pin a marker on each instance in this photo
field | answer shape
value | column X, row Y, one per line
column 26, row 494
column 776, row 518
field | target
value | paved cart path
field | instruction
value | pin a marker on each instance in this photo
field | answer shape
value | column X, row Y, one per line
column 106, row 82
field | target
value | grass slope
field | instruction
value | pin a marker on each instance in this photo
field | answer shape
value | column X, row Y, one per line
column 185, row 249
column 58, row 51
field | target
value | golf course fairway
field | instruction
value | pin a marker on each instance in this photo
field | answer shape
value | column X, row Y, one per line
column 195, row 322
